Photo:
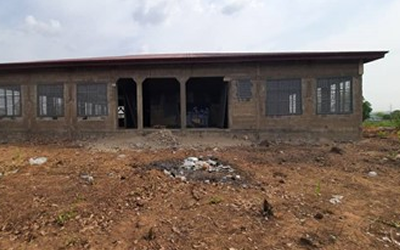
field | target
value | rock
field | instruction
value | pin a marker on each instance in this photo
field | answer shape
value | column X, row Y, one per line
column 267, row 209
column 37, row 160
column 121, row 156
column 336, row 199
column 318, row 216
column 337, row 150
column 264, row 143
column 372, row 174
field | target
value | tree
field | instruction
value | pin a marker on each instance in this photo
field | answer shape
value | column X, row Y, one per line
column 367, row 109
column 395, row 115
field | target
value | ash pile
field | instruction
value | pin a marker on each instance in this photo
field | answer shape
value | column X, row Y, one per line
column 205, row 169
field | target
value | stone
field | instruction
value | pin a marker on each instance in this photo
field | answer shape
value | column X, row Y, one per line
column 372, row 174
column 121, row 156
column 88, row 178
column 318, row 216
column 37, row 160
column 336, row 199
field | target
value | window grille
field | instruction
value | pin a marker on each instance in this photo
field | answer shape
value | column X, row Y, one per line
column 334, row 95
column 10, row 101
column 50, row 100
column 283, row 97
column 92, row 99
column 244, row 90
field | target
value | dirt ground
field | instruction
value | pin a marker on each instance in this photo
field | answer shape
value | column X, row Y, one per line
column 116, row 195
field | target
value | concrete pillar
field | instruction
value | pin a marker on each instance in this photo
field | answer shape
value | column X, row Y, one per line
column 182, row 83
column 139, row 104
column 258, row 105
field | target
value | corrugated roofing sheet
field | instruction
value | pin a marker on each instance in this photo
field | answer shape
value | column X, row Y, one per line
column 194, row 58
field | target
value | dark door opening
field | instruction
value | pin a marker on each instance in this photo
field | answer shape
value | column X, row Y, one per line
column 161, row 103
column 127, row 105
column 207, row 102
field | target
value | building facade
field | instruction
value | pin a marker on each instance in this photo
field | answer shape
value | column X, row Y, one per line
column 278, row 95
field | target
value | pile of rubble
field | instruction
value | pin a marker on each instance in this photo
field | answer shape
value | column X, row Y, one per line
column 163, row 137
column 208, row 170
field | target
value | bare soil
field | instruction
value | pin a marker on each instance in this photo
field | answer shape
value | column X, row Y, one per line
column 131, row 203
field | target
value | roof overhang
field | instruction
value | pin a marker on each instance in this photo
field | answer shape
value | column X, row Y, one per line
column 199, row 58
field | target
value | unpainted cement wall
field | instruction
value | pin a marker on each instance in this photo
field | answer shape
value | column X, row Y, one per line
column 242, row 115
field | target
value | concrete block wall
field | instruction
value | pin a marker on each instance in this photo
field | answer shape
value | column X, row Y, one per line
column 242, row 115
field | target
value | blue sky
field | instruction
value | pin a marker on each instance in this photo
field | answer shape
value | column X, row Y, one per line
column 45, row 29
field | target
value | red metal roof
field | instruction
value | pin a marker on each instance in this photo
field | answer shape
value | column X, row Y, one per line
column 195, row 58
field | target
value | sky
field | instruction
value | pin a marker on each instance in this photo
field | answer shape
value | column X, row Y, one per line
column 49, row 29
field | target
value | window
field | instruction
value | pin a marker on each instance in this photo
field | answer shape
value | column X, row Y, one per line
column 334, row 95
column 283, row 97
column 50, row 100
column 92, row 99
column 10, row 101
column 243, row 89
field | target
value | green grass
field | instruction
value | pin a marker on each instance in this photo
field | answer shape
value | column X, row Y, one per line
column 384, row 123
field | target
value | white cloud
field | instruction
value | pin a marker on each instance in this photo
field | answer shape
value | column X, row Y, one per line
column 52, row 27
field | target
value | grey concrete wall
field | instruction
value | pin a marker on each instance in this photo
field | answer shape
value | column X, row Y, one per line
column 243, row 116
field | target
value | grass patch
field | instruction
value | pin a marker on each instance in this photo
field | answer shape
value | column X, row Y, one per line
column 376, row 124
column 215, row 200
column 63, row 217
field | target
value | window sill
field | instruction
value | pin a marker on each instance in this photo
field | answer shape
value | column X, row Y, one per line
column 92, row 118
column 10, row 118
column 50, row 118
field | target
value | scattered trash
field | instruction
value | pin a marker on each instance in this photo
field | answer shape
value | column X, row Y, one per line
column 336, row 199
column 308, row 242
column 88, row 178
column 372, row 174
column 14, row 171
column 206, row 169
column 37, row 160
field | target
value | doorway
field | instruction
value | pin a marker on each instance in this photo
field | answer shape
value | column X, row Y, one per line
column 127, row 104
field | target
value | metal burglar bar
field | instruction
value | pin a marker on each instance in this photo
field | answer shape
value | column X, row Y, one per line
column 10, row 101
column 50, row 100
column 244, row 90
column 92, row 99
column 334, row 95
column 283, row 97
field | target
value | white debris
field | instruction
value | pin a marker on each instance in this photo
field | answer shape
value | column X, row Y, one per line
column 336, row 199
column 87, row 178
column 37, row 160
column 372, row 174
column 189, row 163
column 121, row 156
column 168, row 173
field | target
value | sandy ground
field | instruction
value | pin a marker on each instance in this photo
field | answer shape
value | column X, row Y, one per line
column 115, row 194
